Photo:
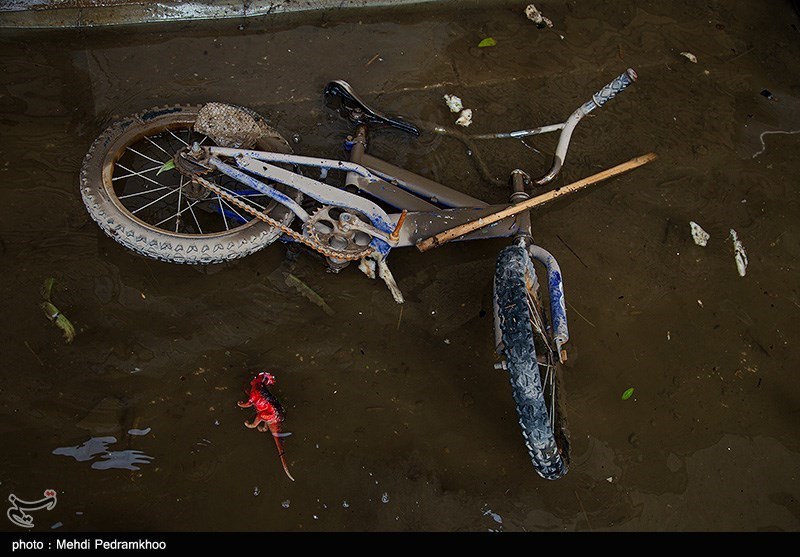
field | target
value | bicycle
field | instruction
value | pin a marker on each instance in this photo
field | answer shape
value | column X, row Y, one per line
column 212, row 183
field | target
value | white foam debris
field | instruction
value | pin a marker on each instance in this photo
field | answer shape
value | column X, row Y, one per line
column 689, row 56
column 699, row 235
column 465, row 119
column 536, row 16
column 453, row 103
column 739, row 254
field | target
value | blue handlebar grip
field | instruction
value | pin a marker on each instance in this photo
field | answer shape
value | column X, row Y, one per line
column 615, row 87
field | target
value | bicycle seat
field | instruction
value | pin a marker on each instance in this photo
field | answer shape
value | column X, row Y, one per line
column 340, row 97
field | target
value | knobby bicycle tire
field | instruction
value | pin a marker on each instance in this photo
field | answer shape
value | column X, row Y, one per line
column 546, row 439
column 108, row 211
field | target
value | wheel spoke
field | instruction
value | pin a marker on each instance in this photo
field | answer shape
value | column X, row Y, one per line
column 126, row 169
column 115, row 178
column 178, row 214
column 154, row 201
column 233, row 209
column 187, row 208
column 151, row 159
column 222, row 213
column 548, row 378
column 197, row 222
column 158, row 146
column 144, row 192
column 234, row 194
column 178, row 138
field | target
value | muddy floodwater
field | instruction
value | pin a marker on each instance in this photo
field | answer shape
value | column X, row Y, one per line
column 399, row 420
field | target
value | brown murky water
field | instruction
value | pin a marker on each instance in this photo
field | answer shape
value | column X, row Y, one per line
column 399, row 421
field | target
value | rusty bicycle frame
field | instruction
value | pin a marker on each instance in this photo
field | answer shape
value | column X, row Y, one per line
column 427, row 207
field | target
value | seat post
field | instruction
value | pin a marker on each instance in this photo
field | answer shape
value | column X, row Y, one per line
column 357, row 145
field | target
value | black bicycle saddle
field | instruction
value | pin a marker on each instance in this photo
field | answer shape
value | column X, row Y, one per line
column 340, row 97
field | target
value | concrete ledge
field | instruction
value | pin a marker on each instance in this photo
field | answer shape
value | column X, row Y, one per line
column 49, row 14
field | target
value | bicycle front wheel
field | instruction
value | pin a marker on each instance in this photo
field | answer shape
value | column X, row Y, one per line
column 532, row 362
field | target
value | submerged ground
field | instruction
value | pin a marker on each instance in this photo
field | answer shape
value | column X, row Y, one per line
column 398, row 419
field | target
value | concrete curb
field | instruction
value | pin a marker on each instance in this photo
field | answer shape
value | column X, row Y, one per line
column 50, row 14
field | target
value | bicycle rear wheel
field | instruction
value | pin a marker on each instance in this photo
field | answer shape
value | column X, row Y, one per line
column 164, row 215
column 532, row 362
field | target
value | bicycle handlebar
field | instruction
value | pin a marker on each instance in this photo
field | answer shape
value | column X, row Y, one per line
column 598, row 99
column 615, row 87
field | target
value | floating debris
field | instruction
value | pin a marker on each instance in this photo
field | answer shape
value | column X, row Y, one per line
column 256, row 491
column 699, row 235
column 285, row 504
column 135, row 431
column 169, row 165
column 385, row 497
column 453, row 103
column 53, row 313
column 536, row 16
column 627, row 394
column 768, row 132
column 269, row 412
column 487, row 42
column 308, row 292
column 465, row 119
column 345, row 504
column 496, row 517
column 689, row 56
column 739, row 254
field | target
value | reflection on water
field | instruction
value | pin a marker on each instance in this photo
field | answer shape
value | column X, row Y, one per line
column 127, row 460
column 88, row 450
column 98, row 446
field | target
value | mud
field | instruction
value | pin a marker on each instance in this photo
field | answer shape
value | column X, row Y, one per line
column 398, row 419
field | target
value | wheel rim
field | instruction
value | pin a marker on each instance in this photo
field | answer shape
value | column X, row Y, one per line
column 168, row 202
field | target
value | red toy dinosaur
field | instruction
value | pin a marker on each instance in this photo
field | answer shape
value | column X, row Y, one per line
column 269, row 412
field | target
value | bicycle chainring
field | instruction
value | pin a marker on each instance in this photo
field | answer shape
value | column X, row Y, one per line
column 328, row 227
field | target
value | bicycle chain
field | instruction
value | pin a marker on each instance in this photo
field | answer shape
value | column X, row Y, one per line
column 310, row 242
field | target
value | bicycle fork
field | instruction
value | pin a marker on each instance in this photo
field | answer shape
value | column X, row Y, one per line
column 520, row 181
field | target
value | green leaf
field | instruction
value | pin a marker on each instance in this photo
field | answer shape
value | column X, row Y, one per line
column 627, row 394
column 47, row 288
column 488, row 41
column 60, row 320
column 169, row 165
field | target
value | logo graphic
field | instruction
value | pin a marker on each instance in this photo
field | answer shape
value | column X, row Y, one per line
column 16, row 512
